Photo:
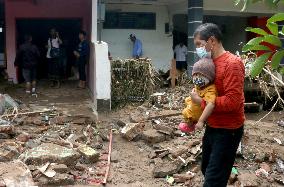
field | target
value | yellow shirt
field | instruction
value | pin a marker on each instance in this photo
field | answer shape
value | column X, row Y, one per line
column 193, row 111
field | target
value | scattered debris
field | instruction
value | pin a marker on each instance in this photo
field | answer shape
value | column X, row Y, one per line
column 170, row 180
column 281, row 123
column 278, row 141
column 133, row 80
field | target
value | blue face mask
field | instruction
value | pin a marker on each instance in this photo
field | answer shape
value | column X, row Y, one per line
column 202, row 53
column 200, row 81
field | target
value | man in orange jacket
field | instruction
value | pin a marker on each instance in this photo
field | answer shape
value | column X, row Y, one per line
column 224, row 129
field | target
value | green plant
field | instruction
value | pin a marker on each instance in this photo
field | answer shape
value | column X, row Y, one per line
column 256, row 44
column 270, row 3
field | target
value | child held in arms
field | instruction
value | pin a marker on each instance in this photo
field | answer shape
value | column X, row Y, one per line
column 203, row 75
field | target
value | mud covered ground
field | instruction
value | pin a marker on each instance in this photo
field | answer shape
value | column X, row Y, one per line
column 131, row 160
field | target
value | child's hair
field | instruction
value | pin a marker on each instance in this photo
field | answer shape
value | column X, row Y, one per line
column 206, row 67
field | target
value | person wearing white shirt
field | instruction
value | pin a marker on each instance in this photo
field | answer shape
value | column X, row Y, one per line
column 180, row 56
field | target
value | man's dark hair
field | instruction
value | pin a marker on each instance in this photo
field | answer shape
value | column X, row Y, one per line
column 83, row 33
column 206, row 30
column 28, row 37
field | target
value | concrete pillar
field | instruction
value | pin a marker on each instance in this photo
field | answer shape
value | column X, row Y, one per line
column 100, row 69
column 94, row 21
column 195, row 18
column 103, row 77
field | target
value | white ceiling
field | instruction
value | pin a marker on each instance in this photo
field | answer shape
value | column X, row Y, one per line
column 157, row 2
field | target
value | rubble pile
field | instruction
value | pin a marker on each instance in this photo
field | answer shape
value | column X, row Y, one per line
column 48, row 148
column 176, row 157
column 133, row 80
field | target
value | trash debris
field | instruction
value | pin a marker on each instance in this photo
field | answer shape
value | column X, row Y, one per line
column 280, row 123
column 280, row 164
column 170, row 180
column 235, row 171
column 47, row 171
column 278, row 141
column 239, row 150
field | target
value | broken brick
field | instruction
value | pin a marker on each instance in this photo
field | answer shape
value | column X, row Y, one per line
column 182, row 178
column 48, row 152
column 164, row 169
column 59, row 120
column 131, row 130
column 247, row 179
column 90, row 154
column 138, row 117
column 120, row 123
column 80, row 120
column 163, row 129
column 58, row 179
column 59, row 168
column 80, row 167
column 164, row 114
column 24, row 137
column 152, row 136
column 16, row 172
column 7, row 128
column 8, row 153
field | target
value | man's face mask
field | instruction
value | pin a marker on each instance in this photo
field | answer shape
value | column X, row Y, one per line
column 200, row 80
column 202, row 53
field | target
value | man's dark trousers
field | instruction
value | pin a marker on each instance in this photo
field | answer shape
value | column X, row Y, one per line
column 218, row 155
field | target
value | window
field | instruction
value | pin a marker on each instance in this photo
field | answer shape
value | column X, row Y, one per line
column 130, row 20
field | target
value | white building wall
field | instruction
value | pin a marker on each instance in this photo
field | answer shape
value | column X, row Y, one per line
column 156, row 44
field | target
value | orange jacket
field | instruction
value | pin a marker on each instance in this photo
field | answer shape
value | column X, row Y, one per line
column 193, row 111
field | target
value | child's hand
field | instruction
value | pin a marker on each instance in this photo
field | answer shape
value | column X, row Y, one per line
column 199, row 126
column 195, row 97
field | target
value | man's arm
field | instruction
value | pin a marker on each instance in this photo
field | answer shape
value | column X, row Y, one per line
column 233, row 83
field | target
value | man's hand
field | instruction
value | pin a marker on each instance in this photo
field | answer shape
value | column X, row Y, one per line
column 199, row 126
column 195, row 97
column 76, row 54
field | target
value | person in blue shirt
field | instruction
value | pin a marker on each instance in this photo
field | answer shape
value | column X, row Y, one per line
column 137, row 46
column 82, row 55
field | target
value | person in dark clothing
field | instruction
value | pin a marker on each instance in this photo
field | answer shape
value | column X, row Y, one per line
column 27, row 58
column 82, row 55
column 54, row 55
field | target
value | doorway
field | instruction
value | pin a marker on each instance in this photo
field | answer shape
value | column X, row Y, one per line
column 39, row 29
column 180, row 29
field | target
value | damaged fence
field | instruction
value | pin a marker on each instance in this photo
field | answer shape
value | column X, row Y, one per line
column 133, row 80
